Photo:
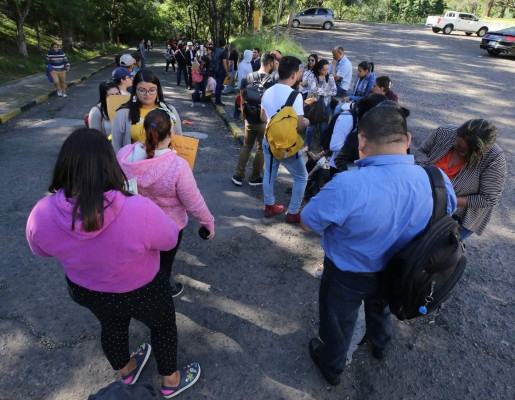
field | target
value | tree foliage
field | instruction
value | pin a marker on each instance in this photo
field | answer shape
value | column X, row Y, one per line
column 88, row 22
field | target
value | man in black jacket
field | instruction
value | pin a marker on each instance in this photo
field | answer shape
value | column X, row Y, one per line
column 182, row 64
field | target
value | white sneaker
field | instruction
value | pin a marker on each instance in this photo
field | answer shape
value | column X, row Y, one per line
column 65, row 95
column 204, row 105
column 59, row 94
column 193, row 104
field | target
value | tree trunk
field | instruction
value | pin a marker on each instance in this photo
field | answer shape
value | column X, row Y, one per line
column 504, row 7
column 67, row 35
column 488, row 7
column 279, row 13
column 21, row 14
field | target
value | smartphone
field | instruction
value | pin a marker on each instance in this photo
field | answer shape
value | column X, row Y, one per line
column 203, row 233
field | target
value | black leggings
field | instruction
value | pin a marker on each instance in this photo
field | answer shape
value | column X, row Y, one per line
column 151, row 304
column 167, row 258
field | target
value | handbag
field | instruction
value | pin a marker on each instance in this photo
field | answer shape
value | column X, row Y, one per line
column 315, row 110
column 196, row 76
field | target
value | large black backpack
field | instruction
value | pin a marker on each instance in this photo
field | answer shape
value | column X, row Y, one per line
column 253, row 92
column 422, row 275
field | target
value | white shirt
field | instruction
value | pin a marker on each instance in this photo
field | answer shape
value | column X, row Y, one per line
column 342, row 128
column 275, row 98
column 344, row 71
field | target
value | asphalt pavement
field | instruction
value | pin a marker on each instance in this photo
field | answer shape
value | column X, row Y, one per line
column 250, row 303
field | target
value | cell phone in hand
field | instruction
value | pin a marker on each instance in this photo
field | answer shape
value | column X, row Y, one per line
column 204, row 233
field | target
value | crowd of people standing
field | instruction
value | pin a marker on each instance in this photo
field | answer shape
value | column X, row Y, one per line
column 117, row 245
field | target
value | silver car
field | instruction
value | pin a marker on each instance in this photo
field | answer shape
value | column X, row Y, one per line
column 323, row 17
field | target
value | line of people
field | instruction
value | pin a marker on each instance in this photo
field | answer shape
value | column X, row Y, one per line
column 117, row 248
column 375, row 201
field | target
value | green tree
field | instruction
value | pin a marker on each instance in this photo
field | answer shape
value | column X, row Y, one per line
column 19, row 10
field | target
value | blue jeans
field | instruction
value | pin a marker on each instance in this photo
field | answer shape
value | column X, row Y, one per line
column 296, row 168
column 464, row 232
column 200, row 87
column 310, row 132
column 340, row 297
column 230, row 87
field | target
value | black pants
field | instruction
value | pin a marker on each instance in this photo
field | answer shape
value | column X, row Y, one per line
column 181, row 70
column 167, row 258
column 168, row 64
column 340, row 297
column 151, row 304
column 188, row 68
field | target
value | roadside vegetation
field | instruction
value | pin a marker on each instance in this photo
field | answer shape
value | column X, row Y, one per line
column 270, row 40
column 14, row 66
column 88, row 28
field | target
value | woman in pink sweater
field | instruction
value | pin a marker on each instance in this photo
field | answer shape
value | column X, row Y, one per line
column 108, row 242
column 166, row 179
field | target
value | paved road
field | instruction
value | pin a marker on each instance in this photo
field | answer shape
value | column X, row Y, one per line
column 250, row 303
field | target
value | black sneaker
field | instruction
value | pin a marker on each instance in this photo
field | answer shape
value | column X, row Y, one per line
column 237, row 180
column 256, row 182
column 314, row 351
column 177, row 289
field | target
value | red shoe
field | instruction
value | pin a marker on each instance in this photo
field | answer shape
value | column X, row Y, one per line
column 272, row 210
column 293, row 218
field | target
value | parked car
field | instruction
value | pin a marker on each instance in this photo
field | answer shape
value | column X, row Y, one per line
column 457, row 21
column 323, row 17
column 499, row 42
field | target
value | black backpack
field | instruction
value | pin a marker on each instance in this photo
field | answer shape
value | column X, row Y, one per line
column 421, row 276
column 253, row 93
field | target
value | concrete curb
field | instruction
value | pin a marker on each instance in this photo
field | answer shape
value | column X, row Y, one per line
column 40, row 99
column 236, row 131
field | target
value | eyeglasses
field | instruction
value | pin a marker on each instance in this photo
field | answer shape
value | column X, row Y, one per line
column 145, row 91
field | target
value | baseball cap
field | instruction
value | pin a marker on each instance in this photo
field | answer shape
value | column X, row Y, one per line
column 127, row 60
column 190, row 44
column 120, row 72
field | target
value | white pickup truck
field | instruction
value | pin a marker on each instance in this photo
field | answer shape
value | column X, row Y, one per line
column 457, row 21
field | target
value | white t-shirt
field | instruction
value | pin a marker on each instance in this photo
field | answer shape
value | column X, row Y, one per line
column 275, row 98
column 342, row 128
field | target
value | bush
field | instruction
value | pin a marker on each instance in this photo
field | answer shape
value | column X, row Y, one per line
column 270, row 40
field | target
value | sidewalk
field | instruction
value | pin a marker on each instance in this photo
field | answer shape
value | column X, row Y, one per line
column 22, row 94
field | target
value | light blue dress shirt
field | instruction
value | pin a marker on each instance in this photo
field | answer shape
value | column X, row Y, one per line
column 369, row 214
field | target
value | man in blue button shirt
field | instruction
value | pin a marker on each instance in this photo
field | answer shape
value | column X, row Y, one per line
column 366, row 216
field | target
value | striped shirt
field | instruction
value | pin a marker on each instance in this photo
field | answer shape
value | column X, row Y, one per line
column 481, row 184
column 58, row 60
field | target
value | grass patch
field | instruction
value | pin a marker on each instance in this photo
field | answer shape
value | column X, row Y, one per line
column 14, row 66
column 270, row 40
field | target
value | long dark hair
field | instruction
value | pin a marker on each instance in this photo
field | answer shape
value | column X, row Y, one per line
column 143, row 75
column 86, row 167
column 103, row 88
column 315, row 56
column 367, row 66
column 318, row 67
column 157, row 126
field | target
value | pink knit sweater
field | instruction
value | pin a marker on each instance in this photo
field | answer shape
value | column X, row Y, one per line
column 168, row 181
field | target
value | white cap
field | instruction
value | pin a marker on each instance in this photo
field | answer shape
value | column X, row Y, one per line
column 190, row 44
column 127, row 60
